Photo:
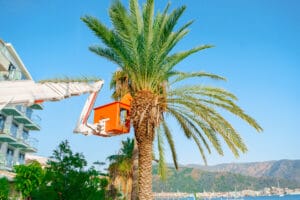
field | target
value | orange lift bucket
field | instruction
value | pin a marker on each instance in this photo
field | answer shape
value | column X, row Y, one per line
column 118, row 115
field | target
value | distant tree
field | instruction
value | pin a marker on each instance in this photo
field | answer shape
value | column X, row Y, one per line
column 4, row 189
column 28, row 178
column 120, row 167
column 66, row 178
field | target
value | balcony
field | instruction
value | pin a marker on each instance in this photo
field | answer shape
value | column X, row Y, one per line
column 7, row 136
column 34, row 124
column 11, row 110
column 37, row 106
column 9, row 64
column 27, row 148
column 6, row 55
column 30, row 145
column 24, row 116
column 4, row 62
column 19, row 143
column 3, row 162
column 6, row 163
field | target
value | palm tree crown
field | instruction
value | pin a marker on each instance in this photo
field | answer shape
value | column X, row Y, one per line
column 124, row 156
column 140, row 42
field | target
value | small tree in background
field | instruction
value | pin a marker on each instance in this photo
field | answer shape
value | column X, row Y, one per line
column 66, row 178
column 120, row 167
column 28, row 178
column 4, row 189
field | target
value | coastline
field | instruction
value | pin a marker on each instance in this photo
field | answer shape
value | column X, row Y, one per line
column 273, row 191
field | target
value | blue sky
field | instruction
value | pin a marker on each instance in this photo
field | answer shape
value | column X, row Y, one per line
column 257, row 50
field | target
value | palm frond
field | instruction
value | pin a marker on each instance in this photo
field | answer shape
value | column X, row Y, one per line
column 106, row 53
column 191, row 132
column 148, row 24
column 168, row 26
column 179, row 76
column 136, row 16
column 109, row 38
column 99, row 29
column 196, row 140
column 170, row 140
column 162, row 168
column 215, row 120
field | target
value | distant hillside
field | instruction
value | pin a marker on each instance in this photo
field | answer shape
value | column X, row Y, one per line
column 282, row 169
column 197, row 180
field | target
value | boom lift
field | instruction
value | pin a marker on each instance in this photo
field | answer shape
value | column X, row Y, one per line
column 109, row 120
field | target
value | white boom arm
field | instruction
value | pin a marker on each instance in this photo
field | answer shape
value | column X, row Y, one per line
column 86, row 128
column 27, row 92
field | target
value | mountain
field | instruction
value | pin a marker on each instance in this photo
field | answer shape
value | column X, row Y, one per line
column 282, row 169
column 230, row 177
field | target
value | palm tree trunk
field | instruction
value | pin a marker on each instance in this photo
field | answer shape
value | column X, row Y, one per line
column 135, row 172
column 143, row 116
column 145, row 169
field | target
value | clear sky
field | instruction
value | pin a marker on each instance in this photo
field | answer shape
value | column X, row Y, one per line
column 257, row 50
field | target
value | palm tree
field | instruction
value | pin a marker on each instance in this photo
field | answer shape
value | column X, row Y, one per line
column 120, row 167
column 120, row 85
column 140, row 42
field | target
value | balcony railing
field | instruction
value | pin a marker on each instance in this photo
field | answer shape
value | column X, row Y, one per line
column 7, row 136
column 36, row 119
column 26, row 144
column 21, row 108
column 2, row 161
column 4, row 51
column 23, row 115
column 28, row 112
column 13, row 71
column 6, row 163
column 31, row 141
column 10, row 161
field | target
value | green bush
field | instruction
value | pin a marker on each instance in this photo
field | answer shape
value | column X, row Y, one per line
column 4, row 189
column 28, row 178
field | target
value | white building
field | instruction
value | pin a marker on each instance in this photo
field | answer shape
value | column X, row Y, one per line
column 15, row 121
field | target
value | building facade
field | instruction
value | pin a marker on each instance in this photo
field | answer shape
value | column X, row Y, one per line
column 16, row 122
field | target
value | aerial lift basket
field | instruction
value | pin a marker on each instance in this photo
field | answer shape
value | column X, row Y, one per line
column 117, row 115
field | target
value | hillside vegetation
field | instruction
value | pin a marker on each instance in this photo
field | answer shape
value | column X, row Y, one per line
column 255, row 176
column 283, row 169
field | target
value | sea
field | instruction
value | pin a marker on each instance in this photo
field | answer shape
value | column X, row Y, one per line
column 285, row 197
column 275, row 197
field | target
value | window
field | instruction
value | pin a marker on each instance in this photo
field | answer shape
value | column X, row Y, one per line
column 9, row 157
column 2, row 122
column 123, row 116
column 21, row 158
column 11, row 67
column 14, row 129
column 11, row 71
column 25, row 135
column 29, row 112
column 14, row 73
column 23, row 76
column 19, row 108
